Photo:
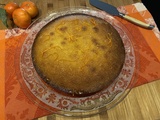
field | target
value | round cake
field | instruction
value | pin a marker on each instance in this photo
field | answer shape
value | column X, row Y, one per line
column 78, row 54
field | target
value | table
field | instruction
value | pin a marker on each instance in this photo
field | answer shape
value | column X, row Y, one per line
column 142, row 103
column 49, row 5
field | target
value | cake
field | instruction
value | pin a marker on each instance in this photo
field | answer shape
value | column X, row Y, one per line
column 78, row 54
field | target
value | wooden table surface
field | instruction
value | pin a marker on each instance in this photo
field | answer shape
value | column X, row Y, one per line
column 142, row 103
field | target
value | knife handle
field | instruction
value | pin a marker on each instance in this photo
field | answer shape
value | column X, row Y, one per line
column 137, row 22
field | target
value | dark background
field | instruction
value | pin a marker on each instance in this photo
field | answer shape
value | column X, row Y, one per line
column 154, row 7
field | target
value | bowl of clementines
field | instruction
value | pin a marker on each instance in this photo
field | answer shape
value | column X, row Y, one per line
column 21, row 14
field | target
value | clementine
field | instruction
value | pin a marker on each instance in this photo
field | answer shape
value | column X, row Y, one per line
column 21, row 18
column 30, row 7
column 10, row 7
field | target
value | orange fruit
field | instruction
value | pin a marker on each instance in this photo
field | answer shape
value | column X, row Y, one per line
column 21, row 18
column 10, row 7
column 30, row 7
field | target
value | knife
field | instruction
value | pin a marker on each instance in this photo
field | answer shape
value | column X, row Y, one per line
column 113, row 11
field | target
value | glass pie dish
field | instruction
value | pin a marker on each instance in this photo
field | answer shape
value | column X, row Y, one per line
column 63, row 104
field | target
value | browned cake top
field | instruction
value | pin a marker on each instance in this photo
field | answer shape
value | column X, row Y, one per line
column 78, row 54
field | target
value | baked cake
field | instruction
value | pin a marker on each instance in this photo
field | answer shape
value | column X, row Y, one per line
column 78, row 54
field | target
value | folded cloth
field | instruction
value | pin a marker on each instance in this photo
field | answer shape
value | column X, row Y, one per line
column 147, row 43
column 16, row 104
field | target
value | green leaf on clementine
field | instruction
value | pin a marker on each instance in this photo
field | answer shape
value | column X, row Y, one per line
column 3, row 16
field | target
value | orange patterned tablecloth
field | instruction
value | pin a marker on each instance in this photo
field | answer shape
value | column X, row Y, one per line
column 14, row 103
